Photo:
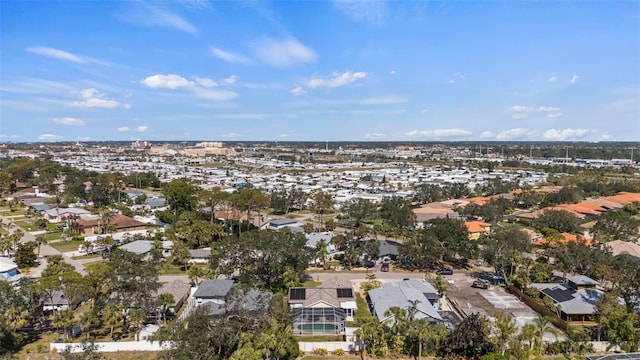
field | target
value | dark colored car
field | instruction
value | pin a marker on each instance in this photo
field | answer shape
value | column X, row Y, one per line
column 445, row 271
column 384, row 267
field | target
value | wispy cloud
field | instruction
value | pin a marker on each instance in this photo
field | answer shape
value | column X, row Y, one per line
column 487, row 135
column 217, row 95
column 142, row 128
column 9, row 136
column 206, row 82
column 516, row 134
column 202, row 87
column 64, row 55
column 565, row 134
column 438, row 133
column 92, row 98
column 552, row 79
column 83, row 138
column 242, row 116
column 50, row 137
column 123, row 129
column 362, row 10
column 574, row 79
column 457, row 77
column 520, row 112
column 154, row 16
column 374, row 136
column 230, row 80
column 336, row 80
column 69, row 121
column 229, row 56
column 283, row 53
column 298, row 90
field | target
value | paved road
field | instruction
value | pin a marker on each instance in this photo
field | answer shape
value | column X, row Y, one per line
column 45, row 250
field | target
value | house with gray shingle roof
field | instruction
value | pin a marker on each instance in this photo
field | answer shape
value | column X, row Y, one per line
column 402, row 294
column 220, row 295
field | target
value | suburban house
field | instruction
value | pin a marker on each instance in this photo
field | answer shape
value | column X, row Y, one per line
column 200, row 256
column 121, row 222
column 56, row 301
column 218, row 295
column 179, row 289
column 143, row 247
column 8, row 268
column 388, row 249
column 324, row 309
column 411, row 295
column 56, row 215
column 278, row 224
column 575, row 300
column 477, row 228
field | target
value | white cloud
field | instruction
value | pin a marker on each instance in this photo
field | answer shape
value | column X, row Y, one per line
column 374, row 136
column 574, row 78
column 206, row 82
column 361, row 10
column 169, row 81
column 229, row 56
column 9, row 136
column 283, row 52
column 520, row 112
column 57, row 54
column 487, row 135
column 230, row 80
column 605, row 136
column 69, row 121
column 298, row 90
column 565, row 134
column 548, row 109
column 145, row 14
column 123, row 129
column 438, row 133
column 92, row 98
column 336, row 80
column 83, row 138
column 50, row 137
column 217, row 95
column 142, row 128
column 456, row 77
column 516, row 134
column 552, row 79
column 231, row 135
column 387, row 100
column 393, row 72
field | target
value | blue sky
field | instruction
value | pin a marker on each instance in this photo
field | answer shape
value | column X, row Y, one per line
column 319, row 70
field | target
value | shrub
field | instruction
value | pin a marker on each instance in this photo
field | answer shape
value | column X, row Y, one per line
column 338, row 352
column 320, row 351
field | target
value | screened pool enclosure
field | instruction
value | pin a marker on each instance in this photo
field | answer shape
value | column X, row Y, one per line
column 318, row 321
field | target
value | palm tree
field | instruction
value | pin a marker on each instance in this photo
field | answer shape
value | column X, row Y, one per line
column 321, row 252
column 111, row 316
column 166, row 300
column 137, row 318
column 89, row 321
column 40, row 240
column 195, row 273
column 63, row 320
column 543, row 323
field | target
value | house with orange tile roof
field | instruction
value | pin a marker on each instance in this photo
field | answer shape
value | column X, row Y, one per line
column 623, row 198
column 565, row 239
column 477, row 228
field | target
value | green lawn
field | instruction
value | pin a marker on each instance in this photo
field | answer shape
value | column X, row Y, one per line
column 71, row 245
column 311, row 283
column 53, row 236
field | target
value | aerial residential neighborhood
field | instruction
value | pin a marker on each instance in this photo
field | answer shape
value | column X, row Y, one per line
column 104, row 250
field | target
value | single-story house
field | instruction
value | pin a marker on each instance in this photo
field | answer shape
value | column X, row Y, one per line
column 278, row 224
column 402, row 294
column 200, row 256
column 388, row 249
column 219, row 295
column 8, row 268
column 56, row 302
column 143, row 247
column 121, row 222
column 56, row 215
column 179, row 289
column 575, row 300
column 324, row 309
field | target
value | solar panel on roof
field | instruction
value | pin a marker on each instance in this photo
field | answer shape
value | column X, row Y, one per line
column 298, row 294
column 345, row 293
column 559, row 295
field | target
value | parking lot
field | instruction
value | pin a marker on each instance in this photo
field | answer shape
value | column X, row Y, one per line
column 469, row 300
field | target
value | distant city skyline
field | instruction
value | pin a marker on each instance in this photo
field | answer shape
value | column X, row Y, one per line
column 319, row 71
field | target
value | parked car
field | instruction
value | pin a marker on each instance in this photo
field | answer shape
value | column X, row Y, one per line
column 445, row 271
column 384, row 267
column 481, row 284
